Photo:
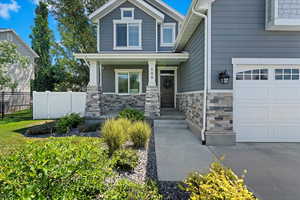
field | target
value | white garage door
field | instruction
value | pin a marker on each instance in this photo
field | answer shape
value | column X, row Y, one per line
column 267, row 104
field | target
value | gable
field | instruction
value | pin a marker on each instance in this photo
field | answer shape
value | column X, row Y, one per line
column 167, row 10
column 113, row 4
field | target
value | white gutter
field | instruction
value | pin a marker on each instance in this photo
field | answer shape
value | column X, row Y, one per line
column 205, row 70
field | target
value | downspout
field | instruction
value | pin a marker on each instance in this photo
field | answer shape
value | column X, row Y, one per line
column 203, row 139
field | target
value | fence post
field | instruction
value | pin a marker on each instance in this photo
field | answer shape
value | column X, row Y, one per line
column 2, row 105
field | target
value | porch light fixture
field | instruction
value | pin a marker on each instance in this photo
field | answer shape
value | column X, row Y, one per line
column 224, row 77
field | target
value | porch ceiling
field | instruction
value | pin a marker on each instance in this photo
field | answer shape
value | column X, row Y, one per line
column 137, row 58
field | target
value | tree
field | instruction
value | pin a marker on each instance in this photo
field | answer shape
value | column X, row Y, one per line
column 41, row 43
column 9, row 55
column 78, row 35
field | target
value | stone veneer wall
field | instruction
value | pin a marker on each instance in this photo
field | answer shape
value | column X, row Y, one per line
column 115, row 102
column 220, row 113
column 152, row 105
column 93, row 102
column 191, row 104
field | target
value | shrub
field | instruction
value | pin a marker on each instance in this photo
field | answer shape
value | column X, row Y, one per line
column 139, row 133
column 113, row 134
column 46, row 128
column 132, row 114
column 60, row 168
column 68, row 122
column 85, row 128
column 125, row 160
column 125, row 189
column 220, row 183
column 126, row 124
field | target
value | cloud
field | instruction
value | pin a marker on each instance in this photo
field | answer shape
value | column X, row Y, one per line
column 6, row 8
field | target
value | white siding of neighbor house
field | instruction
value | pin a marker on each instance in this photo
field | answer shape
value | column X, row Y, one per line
column 17, row 73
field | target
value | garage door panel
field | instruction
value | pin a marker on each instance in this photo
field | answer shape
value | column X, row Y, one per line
column 267, row 110
column 285, row 93
column 285, row 114
column 249, row 93
column 255, row 114
column 251, row 133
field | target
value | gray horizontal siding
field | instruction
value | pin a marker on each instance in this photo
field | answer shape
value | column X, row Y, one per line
column 108, row 77
column 192, row 72
column 148, row 29
column 238, row 31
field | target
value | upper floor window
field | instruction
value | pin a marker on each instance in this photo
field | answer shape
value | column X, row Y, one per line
column 168, row 31
column 127, row 13
column 127, row 34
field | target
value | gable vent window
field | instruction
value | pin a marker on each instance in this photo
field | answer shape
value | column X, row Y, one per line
column 127, row 35
column 127, row 13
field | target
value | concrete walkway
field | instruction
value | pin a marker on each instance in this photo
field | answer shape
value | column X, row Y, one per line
column 178, row 151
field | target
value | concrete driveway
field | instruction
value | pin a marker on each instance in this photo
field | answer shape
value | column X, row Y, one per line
column 273, row 168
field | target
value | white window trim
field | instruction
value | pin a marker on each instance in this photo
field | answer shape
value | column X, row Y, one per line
column 128, row 22
column 162, row 26
column 140, row 71
column 127, row 9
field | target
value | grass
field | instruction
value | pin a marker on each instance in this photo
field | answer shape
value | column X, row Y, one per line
column 14, row 125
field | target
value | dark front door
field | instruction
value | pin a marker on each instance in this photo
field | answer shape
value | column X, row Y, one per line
column 167, row 91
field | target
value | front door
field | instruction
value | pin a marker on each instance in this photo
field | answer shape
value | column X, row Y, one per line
column 167, row 91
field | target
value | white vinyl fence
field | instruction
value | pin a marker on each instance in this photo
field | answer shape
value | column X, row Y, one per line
column 53, row 105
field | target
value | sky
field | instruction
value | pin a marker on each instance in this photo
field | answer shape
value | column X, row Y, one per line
column 19, row 15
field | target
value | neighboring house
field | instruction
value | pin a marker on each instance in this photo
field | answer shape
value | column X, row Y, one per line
column 18, row 74
column 233, row 70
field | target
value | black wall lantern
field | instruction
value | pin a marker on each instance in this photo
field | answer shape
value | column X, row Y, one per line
column 224, row 77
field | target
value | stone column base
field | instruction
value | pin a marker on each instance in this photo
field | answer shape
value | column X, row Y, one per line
column 93, row 102
column 152, row 106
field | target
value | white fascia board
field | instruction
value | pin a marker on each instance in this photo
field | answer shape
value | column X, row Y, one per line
column 265, row 61
column 191, row 22
column 123, row 56
column 113, row 4
column 168, row 10
column 105, row 9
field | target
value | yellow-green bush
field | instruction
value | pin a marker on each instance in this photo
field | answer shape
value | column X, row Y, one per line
column 219, row 184
column 139, row 133
column 125, row 123
column 57, row 168
column 113, row 134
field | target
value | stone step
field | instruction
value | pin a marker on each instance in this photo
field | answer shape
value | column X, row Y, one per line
column 170, row 124
column 171, row 117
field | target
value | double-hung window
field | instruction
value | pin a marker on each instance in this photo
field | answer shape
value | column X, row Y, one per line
column 127, row 35
column 127, row 31
column 168, row 34
column 128, row 81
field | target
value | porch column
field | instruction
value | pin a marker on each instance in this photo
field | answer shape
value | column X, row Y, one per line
column 152, row 106
column 94, row 92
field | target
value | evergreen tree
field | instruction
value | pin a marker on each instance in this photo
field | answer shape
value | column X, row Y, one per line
column 78, row 35
column 41, row 43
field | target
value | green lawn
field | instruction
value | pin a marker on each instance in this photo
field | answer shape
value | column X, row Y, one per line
column 13, row 125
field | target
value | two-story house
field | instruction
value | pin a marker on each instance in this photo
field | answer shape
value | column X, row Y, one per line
column 231, row 66
column 19, row 75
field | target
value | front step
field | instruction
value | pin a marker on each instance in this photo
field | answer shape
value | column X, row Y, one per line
column 178, row 124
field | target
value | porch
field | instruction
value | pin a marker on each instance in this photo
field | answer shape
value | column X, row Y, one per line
column 147, row 82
